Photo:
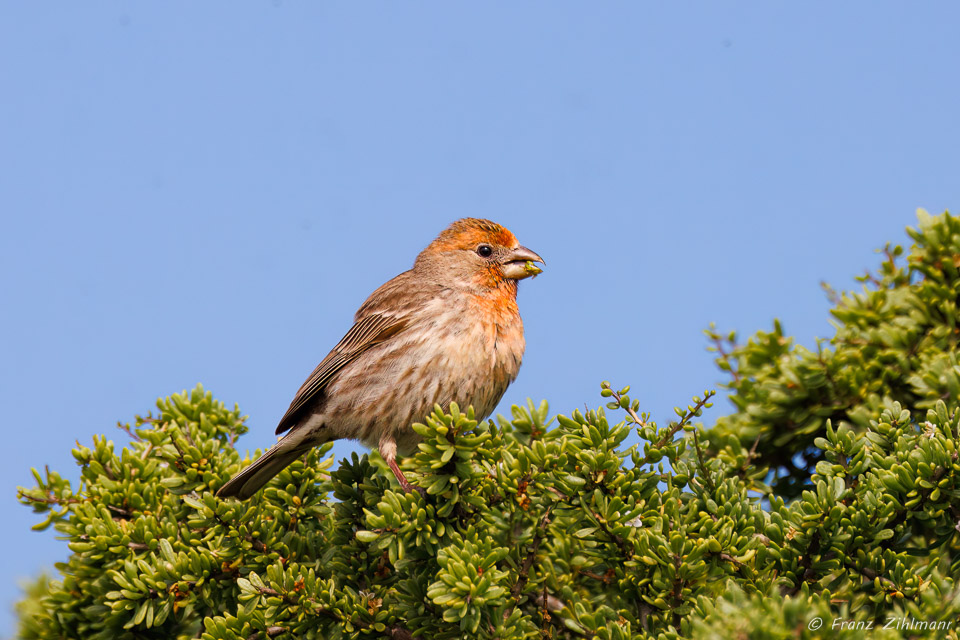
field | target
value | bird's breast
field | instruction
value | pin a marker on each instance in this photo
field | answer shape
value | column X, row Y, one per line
column 460, row 349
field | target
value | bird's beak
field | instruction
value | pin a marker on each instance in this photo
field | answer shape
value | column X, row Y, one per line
column 518, row 263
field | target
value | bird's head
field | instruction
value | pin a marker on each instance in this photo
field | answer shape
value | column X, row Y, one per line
column 478, row 253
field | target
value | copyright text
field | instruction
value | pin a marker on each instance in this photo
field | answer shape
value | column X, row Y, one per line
column 893, row 622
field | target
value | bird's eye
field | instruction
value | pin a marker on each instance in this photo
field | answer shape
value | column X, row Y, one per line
column 484, row 251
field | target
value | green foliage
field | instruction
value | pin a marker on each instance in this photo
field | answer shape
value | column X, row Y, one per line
column 896, row 341
column 826, row 503
column 30, row 610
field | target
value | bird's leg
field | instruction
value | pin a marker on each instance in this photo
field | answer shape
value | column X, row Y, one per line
column 388, row 449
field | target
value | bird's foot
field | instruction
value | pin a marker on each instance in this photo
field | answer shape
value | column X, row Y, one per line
column 407, row 486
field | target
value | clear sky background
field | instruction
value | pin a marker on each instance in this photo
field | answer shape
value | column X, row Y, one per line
column 206, row 191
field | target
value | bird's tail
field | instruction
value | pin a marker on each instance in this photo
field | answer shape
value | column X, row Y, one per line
column 248, row 481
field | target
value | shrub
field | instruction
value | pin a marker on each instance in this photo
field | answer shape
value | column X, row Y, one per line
column 829, row 500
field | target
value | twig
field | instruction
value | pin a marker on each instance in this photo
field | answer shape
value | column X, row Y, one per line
column 396, row 632
column 680, row 425
column 523, row 577
column 870, row 574
column 807, row 563
column 718, row 341
column 126, row 429
column 630, row 412
column 48, row 500
column 617, row 540
column 703, row 465
column 272, row 632
column 120, row 511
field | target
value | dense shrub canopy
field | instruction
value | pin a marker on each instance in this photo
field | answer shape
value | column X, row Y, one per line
column 831, row 494
column 896, row 341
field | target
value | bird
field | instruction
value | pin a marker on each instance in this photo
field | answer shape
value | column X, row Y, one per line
column 448, row 330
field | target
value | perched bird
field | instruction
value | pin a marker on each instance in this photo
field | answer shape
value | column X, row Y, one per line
column 448, row 330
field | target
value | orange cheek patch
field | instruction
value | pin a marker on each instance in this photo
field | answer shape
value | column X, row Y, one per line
column 491, row 277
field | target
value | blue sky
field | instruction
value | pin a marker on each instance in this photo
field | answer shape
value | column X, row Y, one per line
column 205, row 192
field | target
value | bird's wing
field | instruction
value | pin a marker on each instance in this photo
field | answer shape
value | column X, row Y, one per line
column 367, row 332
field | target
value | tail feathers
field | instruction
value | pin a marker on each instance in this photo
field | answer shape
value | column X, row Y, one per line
column 248, row 481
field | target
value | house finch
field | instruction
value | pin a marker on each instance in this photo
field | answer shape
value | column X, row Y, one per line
column 447, row 330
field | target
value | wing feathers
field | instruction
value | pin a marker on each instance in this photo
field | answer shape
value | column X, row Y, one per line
column 367, row 332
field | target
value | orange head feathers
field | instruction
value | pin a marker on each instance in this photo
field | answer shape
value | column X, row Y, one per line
column 477, row 253
column 468, row 233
